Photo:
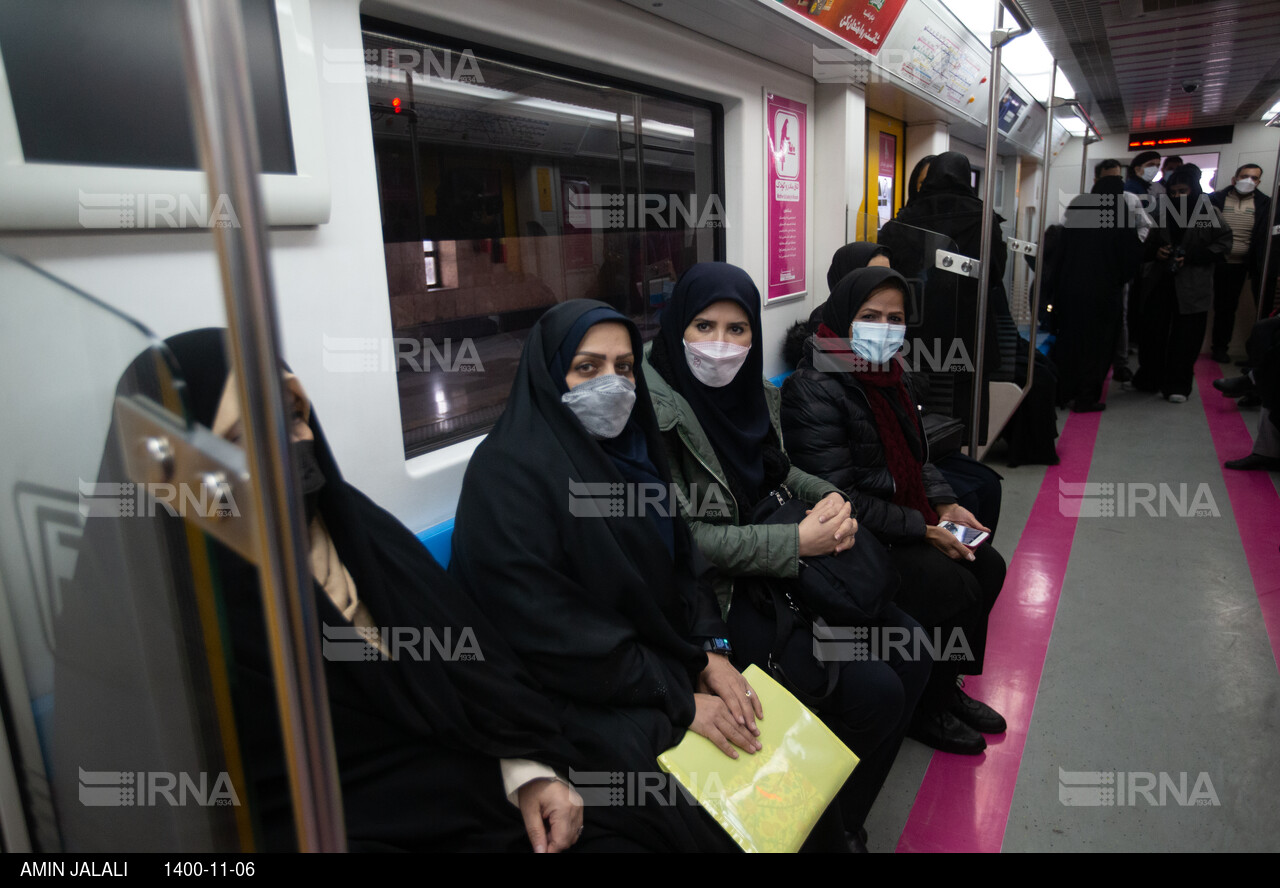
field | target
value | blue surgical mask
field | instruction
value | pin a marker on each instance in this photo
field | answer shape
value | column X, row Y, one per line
column 877, row 343
column 603, row 405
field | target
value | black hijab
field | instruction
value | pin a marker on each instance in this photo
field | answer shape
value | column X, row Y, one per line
column 949, row 173
column 852, row 292
column 735, row 417
column 912, row 188
column 575, row 592
column 417, row 738
column 630, row 449
column 592, row 600
column 851, row 257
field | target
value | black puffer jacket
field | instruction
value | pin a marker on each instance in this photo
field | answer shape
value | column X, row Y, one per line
column 830, row 431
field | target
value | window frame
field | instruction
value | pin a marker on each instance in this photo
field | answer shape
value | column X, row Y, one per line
column 545, row 67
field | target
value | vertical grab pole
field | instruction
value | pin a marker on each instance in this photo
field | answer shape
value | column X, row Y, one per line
column 1044, row 225
column 218, row 85
column 1271, row 227
column 999, row 37
column 988, row 226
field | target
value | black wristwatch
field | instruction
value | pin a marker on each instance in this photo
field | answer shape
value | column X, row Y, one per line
column 718, row 646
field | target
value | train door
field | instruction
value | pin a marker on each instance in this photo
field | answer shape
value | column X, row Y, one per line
column 886, row 182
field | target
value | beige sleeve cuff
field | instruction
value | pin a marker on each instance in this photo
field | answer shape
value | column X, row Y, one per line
column 517, row 772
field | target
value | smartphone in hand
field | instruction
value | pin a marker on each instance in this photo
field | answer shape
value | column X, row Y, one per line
column 966, row 535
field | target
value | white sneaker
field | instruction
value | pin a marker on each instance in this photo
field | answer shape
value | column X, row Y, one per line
column 1177, row 399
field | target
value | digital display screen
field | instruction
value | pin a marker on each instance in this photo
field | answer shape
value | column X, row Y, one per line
column 102, row 83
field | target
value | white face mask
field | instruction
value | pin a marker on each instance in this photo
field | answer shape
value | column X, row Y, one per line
column 1246, row 186
column 603, row 405
column 715, row 363
column 1149, row 173
column 877, row 343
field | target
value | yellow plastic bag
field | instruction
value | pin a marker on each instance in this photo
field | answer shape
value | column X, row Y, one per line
column 770, row 801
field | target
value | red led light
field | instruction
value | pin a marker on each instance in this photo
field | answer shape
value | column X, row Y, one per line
column 395, row 103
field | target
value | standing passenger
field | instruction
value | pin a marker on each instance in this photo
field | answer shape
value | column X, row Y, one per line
column 1247, row 211
column 1095, row 261
column 1188, row 242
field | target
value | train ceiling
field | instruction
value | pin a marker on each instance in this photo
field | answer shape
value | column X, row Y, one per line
column 1129, row 59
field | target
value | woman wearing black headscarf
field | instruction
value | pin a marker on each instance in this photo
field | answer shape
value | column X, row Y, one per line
column 858, row 254
column 719, row 422
column 600, row 590
column 948, row 205
column 918, row 173
column 419, row 730
column 1099, row 252
column 977, row 486
column 849, row 417
column 1189, row 239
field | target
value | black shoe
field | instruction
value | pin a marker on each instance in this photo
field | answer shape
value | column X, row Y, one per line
column 976, row 714
column 857, row 840
column 1251, row 401
column 1254, row 461
column 946, row 733
column 1220, row 355
column 1122, row 374
column 1234, row 386
column 1086, row 407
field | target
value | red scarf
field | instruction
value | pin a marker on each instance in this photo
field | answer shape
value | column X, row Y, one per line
column 880, row 386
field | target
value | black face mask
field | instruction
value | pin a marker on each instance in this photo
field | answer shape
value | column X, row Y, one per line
column 310, row 478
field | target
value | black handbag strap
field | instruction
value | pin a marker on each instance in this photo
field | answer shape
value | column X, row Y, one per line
column 787, row 616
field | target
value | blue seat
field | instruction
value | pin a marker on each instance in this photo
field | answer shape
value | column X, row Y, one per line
column 437, row 539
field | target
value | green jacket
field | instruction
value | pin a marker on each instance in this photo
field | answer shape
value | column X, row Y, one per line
column 709, row 508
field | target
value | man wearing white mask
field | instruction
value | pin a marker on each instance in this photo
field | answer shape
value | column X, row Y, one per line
column 1142, row 172
column 1246, row 210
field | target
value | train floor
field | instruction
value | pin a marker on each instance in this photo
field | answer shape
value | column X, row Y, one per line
column 1133, row 650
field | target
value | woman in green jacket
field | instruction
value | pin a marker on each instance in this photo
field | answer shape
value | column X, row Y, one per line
column 719, row 421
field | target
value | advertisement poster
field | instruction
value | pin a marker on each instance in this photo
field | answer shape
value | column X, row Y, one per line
column 888, row 154
column 864, row 23
column 786, row 123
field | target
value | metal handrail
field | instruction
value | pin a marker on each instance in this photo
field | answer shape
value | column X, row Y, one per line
column 218, row 85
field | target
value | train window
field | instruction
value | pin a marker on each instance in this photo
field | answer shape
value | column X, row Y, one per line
column 506, row 188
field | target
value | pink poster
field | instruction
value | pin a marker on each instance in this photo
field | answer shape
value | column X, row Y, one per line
column 786, row 123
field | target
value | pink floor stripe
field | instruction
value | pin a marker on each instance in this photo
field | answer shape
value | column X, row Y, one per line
column 963, row 802
column 1252, row 494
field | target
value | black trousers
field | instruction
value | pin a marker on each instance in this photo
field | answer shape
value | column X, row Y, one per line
column 870, row 708
column 1170, row 343
column 1228, row 282
column 976, row 486
column 948, row 597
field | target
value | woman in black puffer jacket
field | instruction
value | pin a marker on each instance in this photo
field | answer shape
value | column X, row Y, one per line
column 848, row 416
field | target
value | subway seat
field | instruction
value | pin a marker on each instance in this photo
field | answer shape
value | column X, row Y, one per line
column 437, row 539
